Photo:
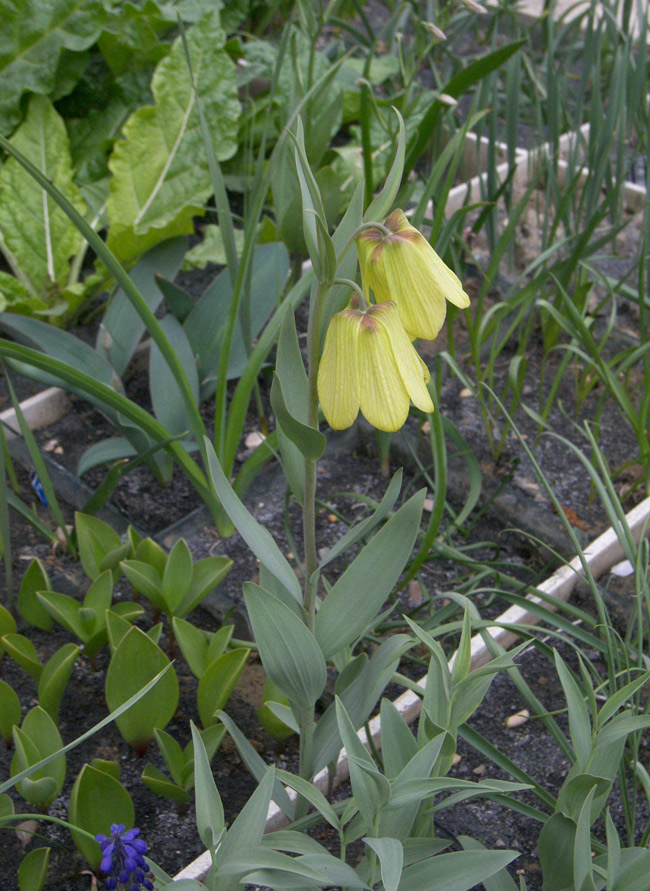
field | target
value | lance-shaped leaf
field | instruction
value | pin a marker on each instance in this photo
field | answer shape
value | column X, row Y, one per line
column 210, row 820
column 199, row 647
column 391, row 860
column 309, row 441
column 56, row 674
column 370, row 787
column 96, row 540
column 34, row 580
column 458, row 871
column 356, row 598
column 160, row 171
column 7, row 626
column 166, row 397
column 258, row 539
column 10, row 712
column 206, row 575
column 37, row 237
column 136, row 661
column 290, row 368
column 289, row 651
column 218, row 682
column 246, row 831
column 23, row 651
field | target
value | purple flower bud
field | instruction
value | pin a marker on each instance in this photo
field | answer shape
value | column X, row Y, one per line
column 106, row 864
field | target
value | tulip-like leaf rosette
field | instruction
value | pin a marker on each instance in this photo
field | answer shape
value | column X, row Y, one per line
column 369, row 364
column 403, row 267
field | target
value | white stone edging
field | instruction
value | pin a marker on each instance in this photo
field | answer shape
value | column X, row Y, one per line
column 603, row 553
column 40, row 410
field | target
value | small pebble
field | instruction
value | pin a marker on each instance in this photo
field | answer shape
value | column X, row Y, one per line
column 254, row 439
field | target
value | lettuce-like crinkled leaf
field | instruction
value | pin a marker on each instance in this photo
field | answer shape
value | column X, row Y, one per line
column 33, row 36
column 133, row 35
column 36, row 237
column 160, row 170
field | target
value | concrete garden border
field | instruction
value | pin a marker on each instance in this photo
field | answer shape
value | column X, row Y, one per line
column 603, row 553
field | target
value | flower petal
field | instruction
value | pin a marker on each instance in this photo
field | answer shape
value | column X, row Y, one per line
column 384, row 400
column 338, row 381
column 402, row 278
column 411, row 368
column 405, row 268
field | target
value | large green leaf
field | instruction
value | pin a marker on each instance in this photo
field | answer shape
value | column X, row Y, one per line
column 33, row 38
column 97, row 800
column 136, row 661
column 358, row 595
column 37, row 237
column 160, row 173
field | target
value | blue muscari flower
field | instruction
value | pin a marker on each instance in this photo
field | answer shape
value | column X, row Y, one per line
column 123, row 859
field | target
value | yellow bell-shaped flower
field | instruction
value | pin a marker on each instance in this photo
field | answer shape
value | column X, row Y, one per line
column 369, row 363
column 405, row 268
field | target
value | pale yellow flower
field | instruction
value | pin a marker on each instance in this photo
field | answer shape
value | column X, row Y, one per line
column 403, row 267
column 369, row 364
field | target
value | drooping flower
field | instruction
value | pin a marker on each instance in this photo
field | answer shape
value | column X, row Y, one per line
column 405, row 268
column 369, row 364
column 123, row 860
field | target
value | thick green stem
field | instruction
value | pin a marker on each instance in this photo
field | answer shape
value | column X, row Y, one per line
column 309, row 530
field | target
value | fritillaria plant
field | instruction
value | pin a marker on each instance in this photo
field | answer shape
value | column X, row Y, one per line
column 369, row 364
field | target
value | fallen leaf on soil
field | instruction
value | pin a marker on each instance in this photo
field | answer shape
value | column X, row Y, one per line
column 416, row 594
column 517, row 719
column 574, row 519
column 465, row 392
column 25, row 832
